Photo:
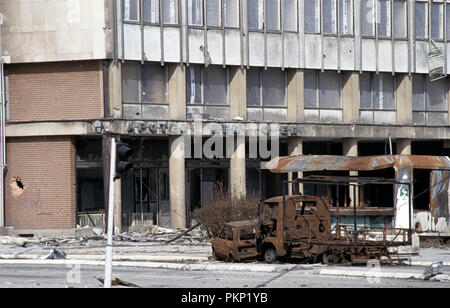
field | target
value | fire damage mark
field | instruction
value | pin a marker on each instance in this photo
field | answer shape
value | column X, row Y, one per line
column 17, row 187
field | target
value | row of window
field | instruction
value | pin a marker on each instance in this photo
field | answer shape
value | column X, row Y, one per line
column 207, row 92
column 382, row 18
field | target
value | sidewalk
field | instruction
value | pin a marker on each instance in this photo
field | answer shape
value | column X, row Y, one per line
column 196, row 257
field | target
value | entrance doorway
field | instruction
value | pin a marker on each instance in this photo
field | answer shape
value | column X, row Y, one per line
column 151, row 195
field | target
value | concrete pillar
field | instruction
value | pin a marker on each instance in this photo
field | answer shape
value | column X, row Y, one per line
column 115, row 90
column 404, row 146
column 350, row 148
column 177, row 92
column 350, row 97
column 295, row 98
column 177, row 182
column 237, row 92
column 404, row 99
column 295, row 147
column 238, row 170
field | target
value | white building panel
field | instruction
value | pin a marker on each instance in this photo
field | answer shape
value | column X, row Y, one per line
column 132, row 42
column 401, row 58
column 256, row 46
column 274, row 50
column 330, row 50
column 368, row 53
column 233, row 47
column 422, row 51
column 385, row 56
column 347, row 54
column 152, row 43
column 172, row 44
column 313, row 51
column 215, row 46
column 196, row 46
column 291, row 50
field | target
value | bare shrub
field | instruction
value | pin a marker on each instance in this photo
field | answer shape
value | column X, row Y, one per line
column 213, row 215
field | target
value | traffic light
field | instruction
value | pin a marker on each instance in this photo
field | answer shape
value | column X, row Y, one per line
column 123, row 151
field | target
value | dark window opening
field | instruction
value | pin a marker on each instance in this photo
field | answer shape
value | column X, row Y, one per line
column 428, row 148
column 377, row 195
column 421, row 189
column 376, row 148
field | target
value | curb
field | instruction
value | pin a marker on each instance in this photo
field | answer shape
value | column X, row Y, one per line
column 121, row 258
column 176, row 266
column 381, row 274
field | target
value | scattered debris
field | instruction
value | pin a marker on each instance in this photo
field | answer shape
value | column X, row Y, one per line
column 433, row 270
column 119, row 282
column 54, row 255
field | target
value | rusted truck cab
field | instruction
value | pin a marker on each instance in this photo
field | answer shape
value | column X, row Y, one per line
column 294, row 227
column 236, row 242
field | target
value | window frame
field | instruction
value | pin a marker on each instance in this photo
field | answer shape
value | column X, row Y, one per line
column 407, row 18
column 352, row 19
column 141, row 85
column 427, row 16
column 261, row 106
column 425, row 93
column 318, row 106
column 318, row 19
column 203, row 104
column 374, row 109
column 160, row 14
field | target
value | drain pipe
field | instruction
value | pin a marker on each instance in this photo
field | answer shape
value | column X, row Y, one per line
column 390, row 143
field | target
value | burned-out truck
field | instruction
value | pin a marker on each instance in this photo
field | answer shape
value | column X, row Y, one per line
column 299, row 226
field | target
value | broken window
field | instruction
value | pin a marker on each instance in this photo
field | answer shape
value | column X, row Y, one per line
column 195, row 12
column 266, row 94
column 377, row 98
column 130, row 82
column 214, row 13
column 367, row 18
column 437, row 20
column 346, row 17
column 421, row 19
column 429, row 101
column 312, row 16
column 255, row 10
column 289, row 15
column 154, row 86
column 151, row 11
column 329, row 16
column 400, row 19
column 231, row 11
column 384, row 18
column 131, row 10
column 207, row 86
column 272, row 15
column 145, row 90
column 322, row 96
column 170, row 12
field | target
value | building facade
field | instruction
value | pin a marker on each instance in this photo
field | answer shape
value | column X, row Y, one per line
column 340, row 77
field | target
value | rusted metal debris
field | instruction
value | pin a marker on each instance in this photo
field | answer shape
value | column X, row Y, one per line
column 306, row 163
column 300, row 227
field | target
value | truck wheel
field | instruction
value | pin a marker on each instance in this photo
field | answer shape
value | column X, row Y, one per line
column 214, row 256
column 270, row 255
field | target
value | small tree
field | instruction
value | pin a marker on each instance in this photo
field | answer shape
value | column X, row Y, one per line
column 214, row 214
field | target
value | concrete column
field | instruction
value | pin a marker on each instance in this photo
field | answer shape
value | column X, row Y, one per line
column 115, row 90
column 404, row 99
column 177, row 182
column 295, row 147
column 404, row 146
column 350, row 97
column 299, row 84
column 295, row 96
column 237, row 92
column 177, row 92
column 238, row 170
column 350, row 148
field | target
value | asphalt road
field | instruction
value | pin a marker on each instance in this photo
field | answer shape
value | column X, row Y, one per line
column 84, row 276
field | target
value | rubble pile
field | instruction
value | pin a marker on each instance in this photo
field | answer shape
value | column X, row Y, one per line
column 195, row 236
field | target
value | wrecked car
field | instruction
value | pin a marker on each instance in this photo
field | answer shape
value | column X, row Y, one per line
column 236, row 242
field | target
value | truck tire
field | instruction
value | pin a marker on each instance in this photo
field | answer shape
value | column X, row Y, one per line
column 270, row 255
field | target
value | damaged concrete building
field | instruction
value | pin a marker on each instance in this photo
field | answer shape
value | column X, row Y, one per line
column 341, row 77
